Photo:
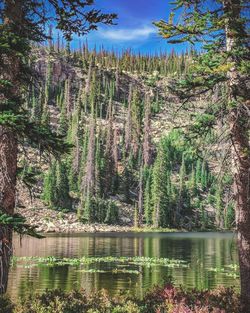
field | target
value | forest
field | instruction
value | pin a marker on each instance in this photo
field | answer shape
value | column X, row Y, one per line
column 125, row 174
column 110, row 117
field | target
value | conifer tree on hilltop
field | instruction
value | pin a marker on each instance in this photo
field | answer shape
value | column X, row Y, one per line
column 22, row 23
column 222, row 31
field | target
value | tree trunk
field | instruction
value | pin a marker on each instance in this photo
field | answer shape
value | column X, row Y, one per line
column 239, row 126
column 8, row 142
column 241, row 158
column 8, row 166
column 5, row 254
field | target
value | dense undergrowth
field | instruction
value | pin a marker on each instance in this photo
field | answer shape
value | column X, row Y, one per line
column 167, row 299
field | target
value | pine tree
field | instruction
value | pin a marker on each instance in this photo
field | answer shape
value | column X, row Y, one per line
column 136, row 220
column 148, row 197
column 73, row 175
column 198, row 173
column 112, row 213
column 68, row 103
column 88, row 179
column 63, row 122
column 127, row 176
column 140, row 193
column 145, row 158
column 160, row 195
column 192, row 182
column 63, row 200
column 147, row 149
column 99, row 168
column 117, row 80
column 83, row 160
column 115, row 156
column 75, row 158
column 204, row 175
column 136, row 122
column 45, row 119
column 109, row 156
column 67, row 49
column 87, row 207
column 128, row 126
column 20, row 28
column 218, row 206
column 88, row 82
column 50, row 39
column 49, row 186
column 36, row 110
column 224, row 59
column 182, row 189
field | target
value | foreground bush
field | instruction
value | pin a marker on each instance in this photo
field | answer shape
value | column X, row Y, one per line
column 160, row 300
column 5, row 305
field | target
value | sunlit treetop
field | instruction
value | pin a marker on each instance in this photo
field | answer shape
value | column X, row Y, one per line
column 69, row 16
column 208, row 24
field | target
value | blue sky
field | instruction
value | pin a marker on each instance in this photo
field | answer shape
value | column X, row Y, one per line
column 134, row 27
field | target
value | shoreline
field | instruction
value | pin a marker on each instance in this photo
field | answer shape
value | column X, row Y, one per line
column 49, row 221
column 104, row 228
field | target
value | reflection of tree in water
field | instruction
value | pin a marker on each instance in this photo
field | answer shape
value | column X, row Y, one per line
column 202, row 253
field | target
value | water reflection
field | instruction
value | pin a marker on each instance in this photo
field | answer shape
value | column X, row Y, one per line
column 201, row 250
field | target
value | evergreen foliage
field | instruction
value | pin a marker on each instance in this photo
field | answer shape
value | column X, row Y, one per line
column 56, row 187
column 167, row 187
column 166, row 183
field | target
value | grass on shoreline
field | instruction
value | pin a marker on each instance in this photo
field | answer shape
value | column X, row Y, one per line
column 148, row 229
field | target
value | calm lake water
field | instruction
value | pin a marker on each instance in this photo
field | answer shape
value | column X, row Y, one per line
column 201, row 251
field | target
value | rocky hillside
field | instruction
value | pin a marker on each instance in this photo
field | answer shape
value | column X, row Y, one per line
column 118, row 114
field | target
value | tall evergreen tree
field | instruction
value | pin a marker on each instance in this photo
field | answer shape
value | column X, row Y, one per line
column 22, row 23
column 109, row 156
column 147, row 148
column 160, row 193
column 88, row 179
column 45, row 118
column 224, row 34
column 219, row 206
column 182, row 189
column 136, row 122
column 128, row 125
column 148, row 209
column 63, row 200
column 49, row 186
column 116, row 158
column 63, row 121
column 145, row 158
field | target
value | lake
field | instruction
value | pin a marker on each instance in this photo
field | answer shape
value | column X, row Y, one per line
column 208, row 260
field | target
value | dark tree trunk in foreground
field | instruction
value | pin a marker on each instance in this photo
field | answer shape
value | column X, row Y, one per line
column 8, row 164
column 239, row 126
column 241, row 154
column 8, row 145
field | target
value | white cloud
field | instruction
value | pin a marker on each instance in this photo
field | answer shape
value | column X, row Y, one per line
column 127, row 34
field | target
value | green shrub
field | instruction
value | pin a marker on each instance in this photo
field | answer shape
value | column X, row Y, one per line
column 76, row 302
column 5, row 305
column 111, row 213
column 167, row 299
